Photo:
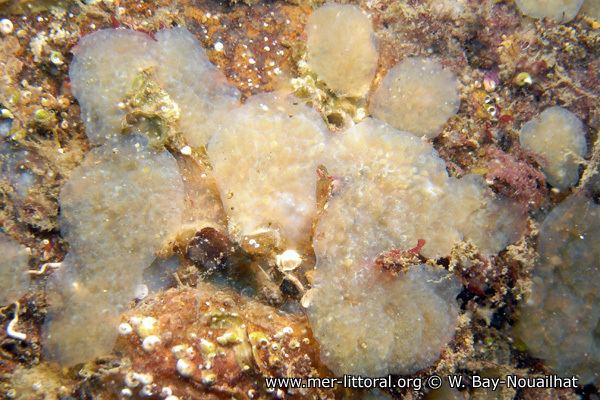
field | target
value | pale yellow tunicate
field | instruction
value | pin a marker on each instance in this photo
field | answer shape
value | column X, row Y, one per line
column 81, row 323
column 559, row 320
column 265, row 160
column 397, row 181
column 117, row 209
column 107, row 63
column 200, row 90
column 119, row 205
column 591, row 8
column 393, row 190
column 557, row 137
column 559, row 10
column 418, row 95
column 341, row 48
column 14, row 280
column 372, row 325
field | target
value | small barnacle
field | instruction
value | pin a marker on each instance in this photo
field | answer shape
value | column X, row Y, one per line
column 179, row 350
column 146, row 391
column 130, row 380
column 207, row 347
column 45, row 118
column 124, row 328
column 258, row 339
column 56, row 58
column 228, row 338
column 6, row 26
column 185, row 367
column 523, row 79
column 146, row 327
column 150, row 343
column 289, row 260
column 208, row 377
column 144, row 379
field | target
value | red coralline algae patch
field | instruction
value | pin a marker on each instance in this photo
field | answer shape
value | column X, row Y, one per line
column 512, row 176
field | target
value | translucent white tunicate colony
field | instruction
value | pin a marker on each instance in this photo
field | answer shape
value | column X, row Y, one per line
column 107, row 62
column 557, row 138
column 418, row 95
column 117, row 209
column 559, row 321
column 14, row 279
column 372, row 325
column 397, row 181
column 200, row 90
column 393, row 191
column 559, row 10
column 265, row 160
column 341, row 48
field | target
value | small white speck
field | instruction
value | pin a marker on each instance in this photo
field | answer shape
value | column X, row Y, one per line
column 6, row 26
column 186, row 150
column 184, row 367
column 219, row 46
column 252, row 61
column 150, row 343
column 125, row 329
column 141, row 291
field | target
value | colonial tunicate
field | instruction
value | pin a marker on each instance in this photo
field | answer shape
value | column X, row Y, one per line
column 14, row 280
column 341, row 48
column 557, row 137
column 110, row 63
column 394, row 191
column 559, row 10
column 559, row 321
column 114, row 232
column 418, row 95
column 265, row 161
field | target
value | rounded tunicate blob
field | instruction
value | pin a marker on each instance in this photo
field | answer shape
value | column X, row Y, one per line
column 194, row 83
column 369, row 324
column 341, row 48
column 393, row 192
column 557, row 137
column 417, row 95
column 117, row 209
column 265, row 161
column 108, row 64
column 591, row 8
column 559, row 10
column 397, row 181
column 83, row 310
column 559, row 322
column 104, row 66
column 14, row 280
column 120, row 204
